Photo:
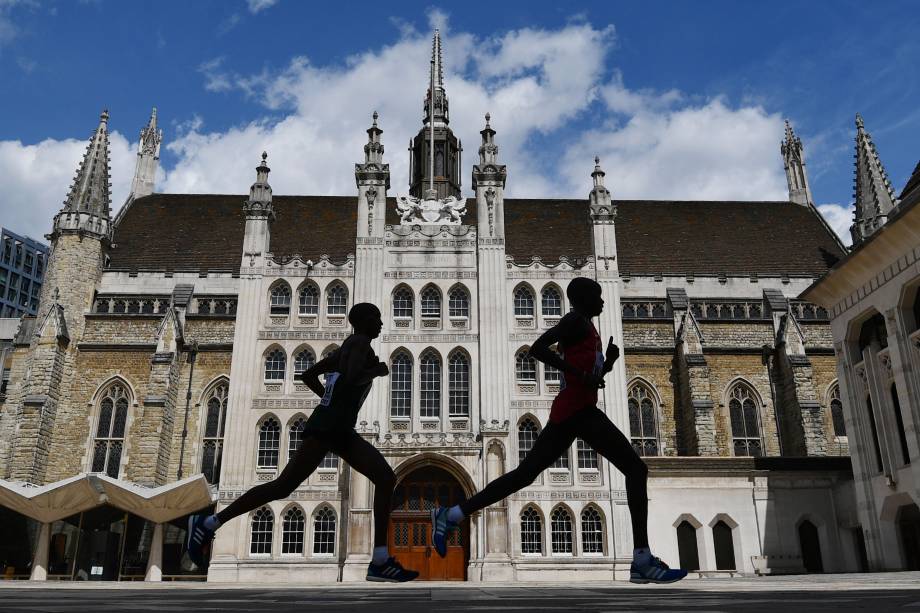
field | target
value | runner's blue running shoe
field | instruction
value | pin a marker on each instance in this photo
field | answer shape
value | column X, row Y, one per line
column 655, row 572
column 196, row 539
column 440, row 528
column 390, row 571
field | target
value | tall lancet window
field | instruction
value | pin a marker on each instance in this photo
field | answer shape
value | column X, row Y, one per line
column 110, row 431
column 745, row 422
column 643, row 426
column 281, row 299
column 430, row 365
column 459, row 384
column 401, row 385
column 213, row 443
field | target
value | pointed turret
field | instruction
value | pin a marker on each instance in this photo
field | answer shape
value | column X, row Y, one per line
column 87, row 207
column 435, row 153
column 259, row 214
column 260, row 193
column 373, row 180
column 873, row 194
column 602, row 208
column 794, row 162
column 148, row 157
column 489, row 184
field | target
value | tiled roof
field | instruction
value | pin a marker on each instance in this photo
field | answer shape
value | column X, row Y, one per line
column 205, row 232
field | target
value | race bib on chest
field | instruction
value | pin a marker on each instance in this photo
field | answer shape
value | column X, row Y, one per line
column 331, row 378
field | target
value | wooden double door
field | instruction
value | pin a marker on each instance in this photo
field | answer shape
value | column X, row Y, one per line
column 410, row 526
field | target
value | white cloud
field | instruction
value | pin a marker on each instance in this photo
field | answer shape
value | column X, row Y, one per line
column 214, row 79
column 37, row 178
column 840, row 218
column 260, row 5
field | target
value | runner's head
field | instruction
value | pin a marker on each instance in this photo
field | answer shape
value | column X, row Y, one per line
column 585, row 296
column 365, row 318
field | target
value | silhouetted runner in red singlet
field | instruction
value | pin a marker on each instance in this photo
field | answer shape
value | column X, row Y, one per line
column 574, row 414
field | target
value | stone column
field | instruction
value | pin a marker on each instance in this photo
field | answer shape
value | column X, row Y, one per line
column 40, row 559
column 155, row 561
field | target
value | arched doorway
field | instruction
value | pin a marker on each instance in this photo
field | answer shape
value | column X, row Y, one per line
column 909, row 528
column 686, row 546
column 410, row 525
column 810, row 544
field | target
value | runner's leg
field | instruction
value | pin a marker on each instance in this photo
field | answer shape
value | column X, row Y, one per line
column 597, row 430
column 367, row 460
column 308, row 456
column 553, row 440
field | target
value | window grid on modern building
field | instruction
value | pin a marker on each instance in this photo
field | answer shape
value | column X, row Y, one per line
column 525, row 367
column 431, row 302
column 402, row 302
column 561, row 530
column 401, row 386
column 213, row 441
column 840, row 428
column 292, row 531
column 531, row 531
column 592, row 531
column 263, row 523
column 458, row 385
column 269, row 443
column 324, row 531
column 551, row 302
column 275, row 365
column 587, row 457
column 430, row 401
column 523, row 302
column 281, row 299
column 528, row 431
column 110, row 431
column 308, row 303
column 643, row 426
column 303, row 361
column 744, row 422
column 21, row 274
column 336, row 299
column 295, row 437
column 458, row 303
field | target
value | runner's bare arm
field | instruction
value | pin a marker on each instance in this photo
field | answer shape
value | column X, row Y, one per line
column 362, row 366
column 569, row 329
column 311, row 376
column 610, row 356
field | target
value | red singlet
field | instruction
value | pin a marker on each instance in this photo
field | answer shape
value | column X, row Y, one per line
column 586, row 355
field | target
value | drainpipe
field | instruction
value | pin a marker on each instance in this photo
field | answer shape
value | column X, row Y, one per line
column 765, row 353
column 192, row 350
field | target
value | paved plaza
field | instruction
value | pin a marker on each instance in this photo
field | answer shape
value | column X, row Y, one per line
column 863, row 592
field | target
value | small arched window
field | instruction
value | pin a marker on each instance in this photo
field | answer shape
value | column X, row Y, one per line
column 458, row 385
column 531, row 531
column 303, row 361
column 269, row 443
column 292, row 529
column 336, row 299
column 281, row 299
column 592, row 531
column 110, row 431
column 275, row 365
column 324, row 531
column 840, row 428
column 458, row 302
column 643, row 422
column 295, row 437
column 528, row 431
column 744, row 422
column 525, row 367
column 523, row 302
column 431, row 302
column 401, row 385
column 430, row 366
column 551, row 302
column 213, row 443
column 561, row 530
column 402, row 303
column 308, row 300
column 724, row 544
column 263, row 523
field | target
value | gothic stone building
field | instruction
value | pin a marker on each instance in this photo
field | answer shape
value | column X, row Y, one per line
column 159, row 376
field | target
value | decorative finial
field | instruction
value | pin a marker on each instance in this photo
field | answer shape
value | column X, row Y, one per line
column 375, row 117
column 264, row 156
column 488, row 118
column 56, row 294
column 597, row 160
column 859, row 121
column 104, row 117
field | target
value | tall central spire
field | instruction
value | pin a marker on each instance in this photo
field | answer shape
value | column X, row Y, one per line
column 434, row 163
column 874, row 196
column 90, row 189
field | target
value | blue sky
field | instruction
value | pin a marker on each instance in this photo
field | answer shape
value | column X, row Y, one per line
column 681, row 100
